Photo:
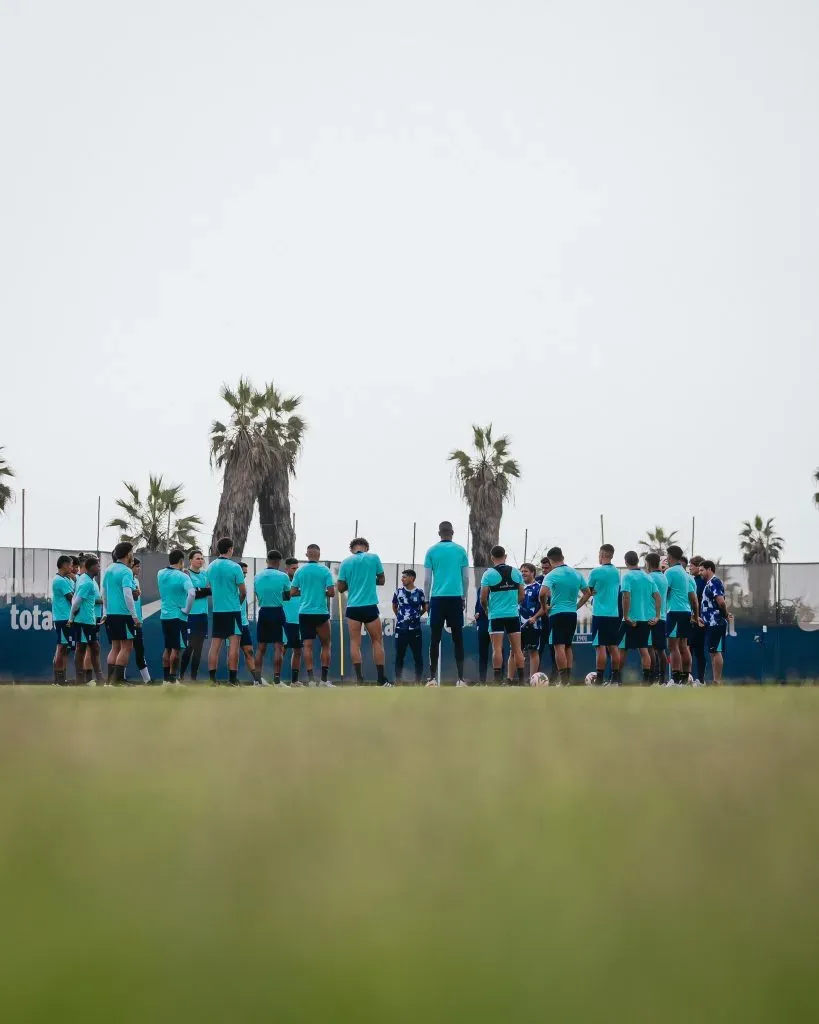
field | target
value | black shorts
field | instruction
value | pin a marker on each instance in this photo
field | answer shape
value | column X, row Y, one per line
column 119, row 627
column 309, row 623
column 510, row 625
column 716, row 638
column 636, row 637
column 678, row 625
column 562, row 628
column 658, row 640
column 270, row 626
column 86, row 634
column 175, row 634
column 198, row 624
column 245, row 640
column 531, row 638
column 227, row 624
column 293, row 634
column 605, row 630
column 446, row 611
column 65, row 635
column 365, row 613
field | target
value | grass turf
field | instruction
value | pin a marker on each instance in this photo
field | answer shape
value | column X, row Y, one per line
column 409, row 856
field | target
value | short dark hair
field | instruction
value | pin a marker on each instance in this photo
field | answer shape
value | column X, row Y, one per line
column 243, row 564
column 274, row 555
column 608, row 548
column 176, row 556
column 64, row 560
column 313, row 547
column 544, row 559
column 122, row 550
column 194, row 551
column 529, row 566
column 223, row 545
column 445, row 526
column 91, row 561
column 684, row 560
column 675, row 551
column 291, row 561
column 653, row 560
column 136, row 562
column 75, row 560
column 359, row 542
column 498, row 551
column 706, row 563
column 555, row 554
column 696, row 560
column 632, row 558
column 409, row 572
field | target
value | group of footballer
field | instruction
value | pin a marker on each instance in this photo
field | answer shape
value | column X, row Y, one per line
column 669, row 611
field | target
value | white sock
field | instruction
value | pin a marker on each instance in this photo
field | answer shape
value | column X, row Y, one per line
column 146, row 675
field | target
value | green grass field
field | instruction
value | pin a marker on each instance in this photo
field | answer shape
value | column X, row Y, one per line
column 409, row 856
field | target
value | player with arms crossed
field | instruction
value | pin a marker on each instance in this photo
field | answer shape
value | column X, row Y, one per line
column 228, row 591
column 502, row 592
column 62, row 594
column 314, row 584
column 558, row 599
column 409, row 603
column 360, row 574
column 641, row 610
column 446, row 571
column 121, row 618
column 604, row 587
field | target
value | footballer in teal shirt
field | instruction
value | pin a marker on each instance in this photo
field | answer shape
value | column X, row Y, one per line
column 502, row 591
column 176, row 595
column 272, row 589
column 291, row 624
column 641, row 610
column 360, row 575
column 228, row 590
column 84, row 611
column 604, row 587
column 446, row 567
column 62, row 594
column 682, row 613
column 558, row 596
column 314, row 584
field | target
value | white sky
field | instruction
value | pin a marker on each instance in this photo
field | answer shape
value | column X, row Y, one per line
column 592, row 223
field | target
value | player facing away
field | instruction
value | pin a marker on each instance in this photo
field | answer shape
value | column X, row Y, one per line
column 314, row 584
column 659, row 644
column 272, row 589
column 502, row 592
column 139, row 638
column 604, row 587
column 121, row 618
column 62, row 594
column 358, row 576
column 291, row 624
column 641, row 611
column 715, row 615
column 409, row 603
column 176, row 596
column 687, row 653
column 228, row 591
column 246, row 641
column 198, row 618
column 446, row 569
column 83, row 620
column 558, row 599
column 531, row 618
column 697, row 641
column 682, row 614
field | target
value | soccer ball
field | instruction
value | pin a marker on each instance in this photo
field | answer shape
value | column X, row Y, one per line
column 591, row 679
column 539, row 679
column 690, row 679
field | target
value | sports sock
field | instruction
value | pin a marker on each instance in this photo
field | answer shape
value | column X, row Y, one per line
column 601, row 675
column 119, row 673
column 646, row 675
column 382, row 675
column 166, row 674
column 498, row 675
column 110, row 673
column 359, row 678
column 325, row 672
column 616, row 675
column 257, row 677
column 59, row 676
column 89, row 675
column 171, row 677
column 233, row 675
column 520, row 677
column 212, row 674
column 565, row 676
column 294, row 675
column 277, row 678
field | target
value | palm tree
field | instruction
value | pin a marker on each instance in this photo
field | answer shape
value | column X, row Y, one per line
column 283, row 432
column 155, row 523
column 6, row 493
column 761, row 547
column 658, row 541
column 240, row 448
column 485, row 479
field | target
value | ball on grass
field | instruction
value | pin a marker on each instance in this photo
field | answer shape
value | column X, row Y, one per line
column 591, row 678
column 539, row 679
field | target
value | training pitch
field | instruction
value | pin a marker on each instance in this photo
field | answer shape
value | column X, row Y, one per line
column 409, row 855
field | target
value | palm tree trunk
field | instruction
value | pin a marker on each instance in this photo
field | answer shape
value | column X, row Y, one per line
column 275, row 515
column 236, row 505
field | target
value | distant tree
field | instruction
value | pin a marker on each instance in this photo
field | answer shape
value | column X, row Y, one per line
column 155, row 523
column 6, row 473
column 761, row 547
column 658, row 541
column 283, row 431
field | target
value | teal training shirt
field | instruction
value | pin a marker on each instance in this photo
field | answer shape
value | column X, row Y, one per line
column 174, row 586
column 662, row 586
column 678, row 589
column 62, row 594
column 447, row 561
column 200, row 582
column 88, row 592
column 117, row 576
column 503, row 604
column 359, row 571
column 605, row 581
column 291, row 610
column 312, row 581
column 243, row 610
column 564, row 583
column 642, row 589
column 225, row 577
column 269, row 586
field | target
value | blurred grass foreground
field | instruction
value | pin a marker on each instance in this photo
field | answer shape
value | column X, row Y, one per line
column 409, row 856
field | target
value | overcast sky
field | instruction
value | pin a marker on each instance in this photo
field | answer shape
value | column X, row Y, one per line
column 594, row 224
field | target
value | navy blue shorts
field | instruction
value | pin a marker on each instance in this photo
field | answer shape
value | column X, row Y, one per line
column 293, row 634
column 658, row 640
column 270, row 626
column 86, row 634
column 308, row 624
column 227, row 624
column 636, row 637
column 562, row 628
column 678, row 625
column 175, row 634
column 507, row 626
column 245, row 640
column 716, row 637
column 606, row 630
column 198, row 624
column 119, row 627
column 446, row 611
column 65, row 635
column 530, row 638
column 365, row 613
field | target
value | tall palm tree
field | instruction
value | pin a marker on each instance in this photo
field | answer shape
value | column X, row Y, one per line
column 241, row 449
column 761, row 548
column 284, row 431
column 6, row 472
column 155, row 523
column 658, row 541
column 485, row 479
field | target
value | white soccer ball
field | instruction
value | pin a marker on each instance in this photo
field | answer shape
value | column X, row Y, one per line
column 591, row 679
column 690, row 679
column 539, row 679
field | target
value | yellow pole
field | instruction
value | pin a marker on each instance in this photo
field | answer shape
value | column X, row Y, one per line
column 341, row 633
